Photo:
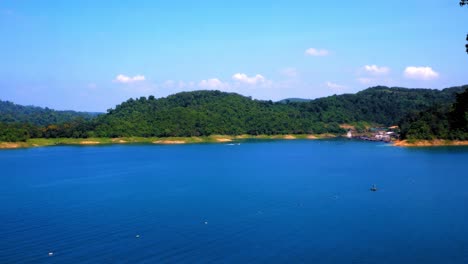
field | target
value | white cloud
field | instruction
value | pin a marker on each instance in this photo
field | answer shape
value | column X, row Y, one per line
column 289, row 72
column 126, row 79
column 185, row 85
column 365, row 80
column 420, row 73
column 243, row 78
column 317, row 52
column 169, row 83
column 178, row 84
column 335, row 87
column 213, row 83
column 376, row 70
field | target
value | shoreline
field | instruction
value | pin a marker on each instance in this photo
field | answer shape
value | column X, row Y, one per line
column 43, row 142
column 430, row 143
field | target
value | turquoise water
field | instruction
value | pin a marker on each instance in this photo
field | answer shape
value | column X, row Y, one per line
column 257, row 202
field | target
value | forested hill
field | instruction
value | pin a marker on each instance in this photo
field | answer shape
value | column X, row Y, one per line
column 438, row 122
column 205, row 113
column 13, row 113
column 379, row 104
column 214, row 112
column 202, row 113
column 294, row 100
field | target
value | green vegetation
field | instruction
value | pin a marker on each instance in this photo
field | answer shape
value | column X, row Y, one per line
column 382, row 105
column 13, row 113
column 439, row 122
column 202, row 114
column 13, row 133
column 294, row 100
column 42, row 142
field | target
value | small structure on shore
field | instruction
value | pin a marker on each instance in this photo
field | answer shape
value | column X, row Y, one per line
column 349, row 134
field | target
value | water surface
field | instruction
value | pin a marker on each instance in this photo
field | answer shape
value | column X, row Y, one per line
column 269, row 202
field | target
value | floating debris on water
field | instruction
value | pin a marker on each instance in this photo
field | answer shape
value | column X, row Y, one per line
column 206, row 223
column 51, row 254
column 137, row 236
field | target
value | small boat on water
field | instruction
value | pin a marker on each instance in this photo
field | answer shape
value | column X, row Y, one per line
column 373, row 188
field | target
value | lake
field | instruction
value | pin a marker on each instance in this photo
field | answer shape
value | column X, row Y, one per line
column 284, row 201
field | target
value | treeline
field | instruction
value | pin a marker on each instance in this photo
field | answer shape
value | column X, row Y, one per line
column 439, row 122
column 381, row 105
column 212, row 112
column 12, row 113
column 18, row 123
column 203, row 113
column 16, row 132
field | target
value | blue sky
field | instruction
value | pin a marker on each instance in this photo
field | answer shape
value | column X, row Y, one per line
column 91, row 55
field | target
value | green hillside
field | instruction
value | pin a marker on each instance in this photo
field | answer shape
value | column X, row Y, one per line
column 204, row 113
column 380, row 104
column 213, row 112
column 13, row 113
column 438, row 122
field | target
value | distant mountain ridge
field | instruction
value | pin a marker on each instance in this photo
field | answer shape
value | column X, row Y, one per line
column 213, row 112
column 294, row 100
column 381, row 104
column 204, row 113
column 14, row 113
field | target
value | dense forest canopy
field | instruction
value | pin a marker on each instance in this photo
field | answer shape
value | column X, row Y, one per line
column 203, row 113
column 13, row 113
column 438, row 122
column 383, row 105
column 465, row 3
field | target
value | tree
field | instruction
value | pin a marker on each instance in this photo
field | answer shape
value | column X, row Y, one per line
column 462, row 3
column 466, row 45
column 459, row 114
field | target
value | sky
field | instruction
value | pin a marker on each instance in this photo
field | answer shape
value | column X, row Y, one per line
column 91, row 55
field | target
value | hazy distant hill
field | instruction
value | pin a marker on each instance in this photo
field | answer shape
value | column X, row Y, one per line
column 13, row 113
column 294, row 100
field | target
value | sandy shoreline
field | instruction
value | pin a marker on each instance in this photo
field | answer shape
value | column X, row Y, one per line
column 210, row 139
column 160, row 141
column 89, row 142
column 430, row 143
column 169, row 142
column 10, row 145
